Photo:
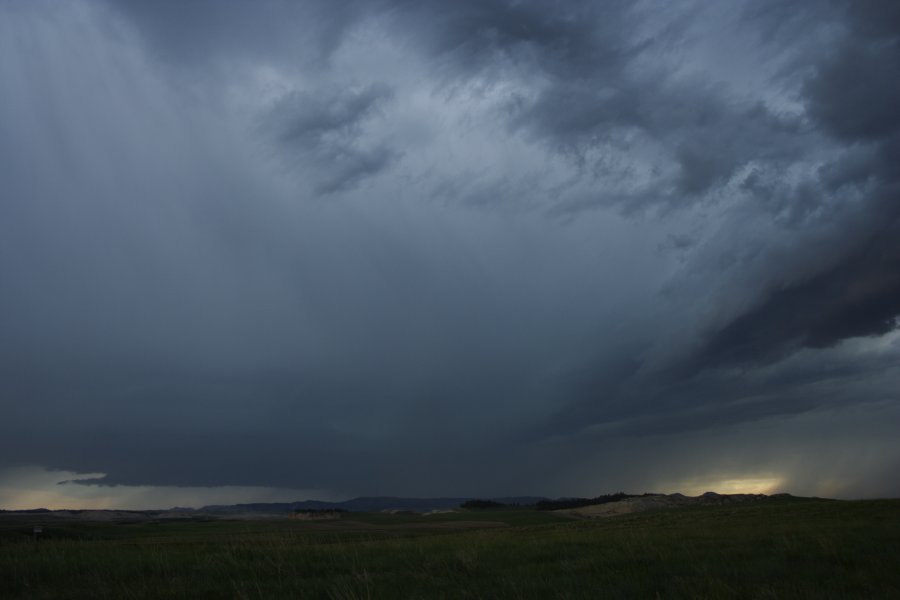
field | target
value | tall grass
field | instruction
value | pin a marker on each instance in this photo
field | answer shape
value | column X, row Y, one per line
column 773, row 550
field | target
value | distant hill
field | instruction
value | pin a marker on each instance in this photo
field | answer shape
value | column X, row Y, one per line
column 633, row 504
column 364, row 504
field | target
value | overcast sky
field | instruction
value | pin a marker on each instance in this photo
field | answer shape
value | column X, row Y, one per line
column 282, row 249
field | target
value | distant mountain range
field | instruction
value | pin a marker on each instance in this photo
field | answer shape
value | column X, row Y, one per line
column 608, row 505
column 365, row 504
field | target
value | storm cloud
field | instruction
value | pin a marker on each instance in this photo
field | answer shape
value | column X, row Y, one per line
column 455, row 248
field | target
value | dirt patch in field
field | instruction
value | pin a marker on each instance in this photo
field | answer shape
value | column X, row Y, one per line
column 645, row 503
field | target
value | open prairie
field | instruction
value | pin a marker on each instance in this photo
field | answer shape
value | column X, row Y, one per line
column 773, row 549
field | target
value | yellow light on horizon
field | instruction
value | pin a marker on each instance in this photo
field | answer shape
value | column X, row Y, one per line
column 730, row 485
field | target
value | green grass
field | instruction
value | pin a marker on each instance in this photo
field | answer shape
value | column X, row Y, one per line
column 775, row 549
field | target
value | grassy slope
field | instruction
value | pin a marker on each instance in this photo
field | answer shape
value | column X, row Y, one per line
column 776, row 549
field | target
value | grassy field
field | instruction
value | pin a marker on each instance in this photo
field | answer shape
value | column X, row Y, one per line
column 773, row 549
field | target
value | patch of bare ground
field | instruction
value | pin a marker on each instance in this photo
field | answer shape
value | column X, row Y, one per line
column 661, row 502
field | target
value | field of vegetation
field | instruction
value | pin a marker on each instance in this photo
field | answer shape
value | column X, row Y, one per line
column 773, row 549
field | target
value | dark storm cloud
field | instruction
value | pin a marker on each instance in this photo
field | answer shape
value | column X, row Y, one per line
column 559, row 38
column 851, row 96
column 467, row 308
column 321, row 135
column 591, row 74
column 859, row 297
column 600, row 86
column 849, row 290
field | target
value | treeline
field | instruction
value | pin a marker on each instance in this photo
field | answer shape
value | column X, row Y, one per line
column 481, row 504
column 560, row 503
column 579, row 502
column 318, row 511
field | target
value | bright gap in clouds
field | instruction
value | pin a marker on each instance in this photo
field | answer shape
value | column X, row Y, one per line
column 30, row 487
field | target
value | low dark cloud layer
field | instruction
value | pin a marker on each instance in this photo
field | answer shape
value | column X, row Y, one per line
column 451, row 247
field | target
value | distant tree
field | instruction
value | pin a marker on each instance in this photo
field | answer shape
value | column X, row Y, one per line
column 482, row 504
column 580, row 502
